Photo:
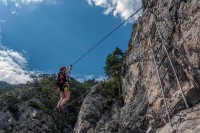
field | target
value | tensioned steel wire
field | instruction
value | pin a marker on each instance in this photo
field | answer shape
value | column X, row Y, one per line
column 121, row 70
column 81, row 57
column 93, row 47
column 132, row 62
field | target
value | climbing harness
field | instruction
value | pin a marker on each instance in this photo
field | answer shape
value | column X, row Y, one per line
column 80, row 58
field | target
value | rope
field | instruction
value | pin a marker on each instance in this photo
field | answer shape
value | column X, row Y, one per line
column 55, row 112
column 174, row 46
column 80, row 58
column 92, row 48
column 132, row 62
column 38, row 95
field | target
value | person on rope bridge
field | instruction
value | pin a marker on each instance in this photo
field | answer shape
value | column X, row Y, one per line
column 63, row 87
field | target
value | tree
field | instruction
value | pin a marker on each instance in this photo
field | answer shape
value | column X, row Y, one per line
column 114, row 62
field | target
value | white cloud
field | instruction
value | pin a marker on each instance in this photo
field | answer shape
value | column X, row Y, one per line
column 17, row 4
column 5, row 2
column 122, row 8
column 13, row 67
column 81, row 80
column 14, row 11
column 101, row 78
column 89, row 2
column 24, row 51
column 2, row 21
column 85, row 77
column 31, row 1
column 88, row 77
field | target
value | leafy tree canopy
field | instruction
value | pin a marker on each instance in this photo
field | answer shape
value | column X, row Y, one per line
column 114, row 62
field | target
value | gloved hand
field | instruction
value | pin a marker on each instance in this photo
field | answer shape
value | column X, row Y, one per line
column 70, row 67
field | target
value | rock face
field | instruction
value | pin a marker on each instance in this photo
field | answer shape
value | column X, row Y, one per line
column 144, row 108
column 186, row 121
column 21, row 117
column 91, row 111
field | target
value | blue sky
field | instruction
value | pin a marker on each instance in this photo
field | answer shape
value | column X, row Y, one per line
column 49, row 34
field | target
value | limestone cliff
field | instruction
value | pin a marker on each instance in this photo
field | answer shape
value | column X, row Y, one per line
column 150, row 102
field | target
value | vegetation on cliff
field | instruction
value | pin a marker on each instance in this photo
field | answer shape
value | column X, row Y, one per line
column 23, row 107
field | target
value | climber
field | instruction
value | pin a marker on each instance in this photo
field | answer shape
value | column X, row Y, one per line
column 63, row 87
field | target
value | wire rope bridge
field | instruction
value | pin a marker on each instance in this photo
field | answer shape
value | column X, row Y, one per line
column 161, row 55
column 79, row 59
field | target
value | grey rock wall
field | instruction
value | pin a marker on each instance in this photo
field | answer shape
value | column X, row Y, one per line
column 143, row 109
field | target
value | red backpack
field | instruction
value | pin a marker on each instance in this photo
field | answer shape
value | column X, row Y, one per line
column 62, row 78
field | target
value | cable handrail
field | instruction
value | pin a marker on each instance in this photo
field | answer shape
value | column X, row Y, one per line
column 93, row 47
column 81, row 57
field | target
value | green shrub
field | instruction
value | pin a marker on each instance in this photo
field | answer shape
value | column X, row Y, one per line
column 107, row 104
column 36, row 105
column 114, row 62
column 45, row 81
column 111, row 88
column 130, row 47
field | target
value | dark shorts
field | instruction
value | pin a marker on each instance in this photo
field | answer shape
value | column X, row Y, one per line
column 63, row 88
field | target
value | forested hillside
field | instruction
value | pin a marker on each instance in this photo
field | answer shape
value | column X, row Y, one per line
column 31, row 107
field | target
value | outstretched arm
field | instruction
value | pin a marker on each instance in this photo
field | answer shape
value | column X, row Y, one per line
column 69, row 68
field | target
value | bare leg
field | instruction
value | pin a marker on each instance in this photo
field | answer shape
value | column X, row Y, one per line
column 61, row 99
column 67, row 96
